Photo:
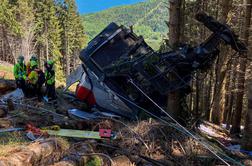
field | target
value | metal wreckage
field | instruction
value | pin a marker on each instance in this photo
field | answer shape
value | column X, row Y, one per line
column 122, row 75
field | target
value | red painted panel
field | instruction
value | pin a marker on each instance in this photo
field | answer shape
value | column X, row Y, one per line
column 83, row 93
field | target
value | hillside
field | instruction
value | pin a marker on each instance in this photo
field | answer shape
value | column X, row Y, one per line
column 147, row 17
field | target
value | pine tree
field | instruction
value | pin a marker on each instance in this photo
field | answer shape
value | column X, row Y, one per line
column 72, row 33
column 247, row 140
column 9, row 29
column 48, row 34
column 236, row 123
column 221, row 70
column 25, row 17
column 174, row 98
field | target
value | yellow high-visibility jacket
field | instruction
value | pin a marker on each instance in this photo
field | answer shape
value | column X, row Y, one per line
column 33, row 77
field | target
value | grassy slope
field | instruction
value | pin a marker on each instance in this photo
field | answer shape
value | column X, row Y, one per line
column 7, row 69
column 147, row 17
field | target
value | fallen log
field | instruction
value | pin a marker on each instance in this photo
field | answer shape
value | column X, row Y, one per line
column 7, row 85
column 39, row 153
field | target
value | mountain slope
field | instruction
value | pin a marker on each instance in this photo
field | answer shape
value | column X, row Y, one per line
column 147, row 17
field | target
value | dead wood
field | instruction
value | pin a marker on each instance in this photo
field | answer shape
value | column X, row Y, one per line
column 39, row 153
column 6, row 85
column 122, row 161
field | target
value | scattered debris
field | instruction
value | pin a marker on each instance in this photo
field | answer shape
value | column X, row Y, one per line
column 214, row 131
column 91, row 115
column 237, row 148
column 143, row 142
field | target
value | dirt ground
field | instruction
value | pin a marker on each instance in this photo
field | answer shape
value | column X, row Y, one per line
column 143, row 142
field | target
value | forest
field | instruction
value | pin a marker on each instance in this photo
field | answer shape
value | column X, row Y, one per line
column 49, row 29
column 147, row 18
column 220, row 95
column 203, row 127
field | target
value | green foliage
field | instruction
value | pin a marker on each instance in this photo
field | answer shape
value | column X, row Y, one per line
column 95, row 161
column 58, row 66
column 8, row 70
column 147, row 17
column 25, row 17
column 46, row 28
column 49, row 33
column 72, row 34
column 8, row 18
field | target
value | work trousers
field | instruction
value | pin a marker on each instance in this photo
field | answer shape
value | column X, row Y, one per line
column 34, row 90
column 50, row 91
column 21, row 85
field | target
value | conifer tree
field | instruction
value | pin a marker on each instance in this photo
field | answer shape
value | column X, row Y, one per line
column 48, row 33
column 25, row 17
column 72, row 34
column 10, row 29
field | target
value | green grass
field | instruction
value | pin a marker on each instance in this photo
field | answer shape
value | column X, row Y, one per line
column 94, row 161
column 10, row 141
column 6, row 68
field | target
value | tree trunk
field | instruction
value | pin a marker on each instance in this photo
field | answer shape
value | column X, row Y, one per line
column 38, row 153
column 47, row 50
column 67, row 60
column 209, row 96
column 242, row 71
column 174, row 22
column 197, row 113
column 247, row 140
column 174, row 98
column 4, row 58
column 230, row 107
column 227, row 95
column 220, row 70
column 8, row 53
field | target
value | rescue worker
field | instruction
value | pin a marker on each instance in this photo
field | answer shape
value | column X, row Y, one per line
column 32, row 79
column 28, row 66
column 20, row 73
column 50, row 80
column 35, row 80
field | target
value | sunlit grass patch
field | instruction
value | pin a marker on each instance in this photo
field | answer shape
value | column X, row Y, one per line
column 9, row 141
column 6, row 71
